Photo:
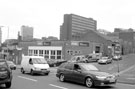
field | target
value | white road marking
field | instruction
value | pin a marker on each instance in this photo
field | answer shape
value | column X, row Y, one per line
column 126, row 84
column 131, row 78
column 131, row 67
column 27, row 78
column 57, row 86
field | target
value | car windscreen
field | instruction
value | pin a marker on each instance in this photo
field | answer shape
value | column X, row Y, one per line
column 104, row 58
column 39, row 61
column 10, row 62
column 89, row 67
column 3, row 63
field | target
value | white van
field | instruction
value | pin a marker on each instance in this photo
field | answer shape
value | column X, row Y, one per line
column 34, row 64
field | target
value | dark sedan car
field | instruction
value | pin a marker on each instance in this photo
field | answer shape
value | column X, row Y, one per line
column 5, row 73
column 84, row 73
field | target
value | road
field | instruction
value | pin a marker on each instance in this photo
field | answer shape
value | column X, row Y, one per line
column 27, row 81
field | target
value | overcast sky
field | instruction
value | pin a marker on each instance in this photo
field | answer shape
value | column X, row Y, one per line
column 46, row 16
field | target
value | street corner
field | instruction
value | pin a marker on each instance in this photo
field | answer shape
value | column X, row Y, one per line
column 126, row 80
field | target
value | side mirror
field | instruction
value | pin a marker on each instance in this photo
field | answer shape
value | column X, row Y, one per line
column 31, row 63
column 12, row 68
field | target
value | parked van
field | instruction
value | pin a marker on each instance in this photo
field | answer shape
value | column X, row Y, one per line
column 34, row 64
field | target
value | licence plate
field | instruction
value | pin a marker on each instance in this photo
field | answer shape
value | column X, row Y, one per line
column 112, row 80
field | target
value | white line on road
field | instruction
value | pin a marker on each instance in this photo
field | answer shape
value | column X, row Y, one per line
column 27, row 78
column 58, row 86
column 126, row 84
column 131, row 78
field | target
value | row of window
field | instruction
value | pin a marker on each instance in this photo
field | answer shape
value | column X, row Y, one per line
column 48, row 54
column 73, row 52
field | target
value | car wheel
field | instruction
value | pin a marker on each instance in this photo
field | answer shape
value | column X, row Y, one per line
column 22, row 70
column 31, row 72
column 62, row 77
column 89, row 82
column 8, row 84
column 46, row 73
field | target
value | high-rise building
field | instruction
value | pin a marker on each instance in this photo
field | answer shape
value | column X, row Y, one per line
column 26, row 33
column 0, row 36
column 75, row 27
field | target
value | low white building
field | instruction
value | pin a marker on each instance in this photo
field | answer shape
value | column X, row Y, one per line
column 49, row 52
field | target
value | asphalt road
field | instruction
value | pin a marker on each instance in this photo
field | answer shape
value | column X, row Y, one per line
column 27, row 81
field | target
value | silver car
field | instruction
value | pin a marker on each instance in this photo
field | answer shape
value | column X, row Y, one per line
column 105, row 60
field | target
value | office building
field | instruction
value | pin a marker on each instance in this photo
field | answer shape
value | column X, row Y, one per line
column 75, row 27
column 27, row 33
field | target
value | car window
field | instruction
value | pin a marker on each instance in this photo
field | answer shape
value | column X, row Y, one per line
column 62, row 65
column 9, row 62
column 3, row 63
column 69, row 66
column 76, row 67
column 39, row 61
column 89, row 67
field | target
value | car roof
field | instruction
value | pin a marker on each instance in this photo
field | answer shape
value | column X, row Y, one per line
column 80, row 63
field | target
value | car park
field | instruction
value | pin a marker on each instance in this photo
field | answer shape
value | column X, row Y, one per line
column 105, row 60
column 84, row 73
column 5, row 73
column 11, row 65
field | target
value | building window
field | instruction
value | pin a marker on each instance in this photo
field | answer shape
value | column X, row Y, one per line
column 59, row 54
column 97, row 49
column 35, row 52
column 53, row 54
column 30, row 52
column 46, row 54
column 40, row 52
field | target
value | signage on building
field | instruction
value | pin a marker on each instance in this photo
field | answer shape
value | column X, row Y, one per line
column 39, row 43
column 84, row 44
column 74, row 43
column 46, row 43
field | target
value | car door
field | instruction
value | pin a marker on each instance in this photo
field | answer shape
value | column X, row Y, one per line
column 29, row 65
column 77, row 74
column 68, row 71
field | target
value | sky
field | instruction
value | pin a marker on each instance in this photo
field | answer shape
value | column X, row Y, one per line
column 46, row 16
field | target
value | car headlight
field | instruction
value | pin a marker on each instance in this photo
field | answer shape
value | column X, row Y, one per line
column 101, row 77
column 35, row 68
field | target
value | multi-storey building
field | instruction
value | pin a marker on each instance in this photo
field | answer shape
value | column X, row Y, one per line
column 27, row 33
column 75, row 26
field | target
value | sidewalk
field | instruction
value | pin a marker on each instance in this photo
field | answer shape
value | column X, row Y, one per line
column 127, row 76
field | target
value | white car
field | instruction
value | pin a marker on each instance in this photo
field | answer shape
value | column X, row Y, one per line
column 117, row 57
column 105, row 60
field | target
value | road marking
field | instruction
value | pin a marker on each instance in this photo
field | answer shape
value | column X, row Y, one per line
column 58, row 86
column 27, row 78
column 131, row 78
column 131, row 67
column 126, row 84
